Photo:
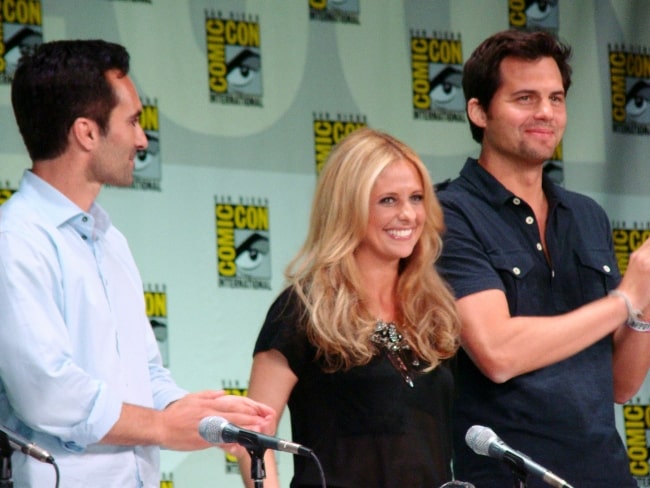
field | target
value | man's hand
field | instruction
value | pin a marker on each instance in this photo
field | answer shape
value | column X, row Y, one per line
column 181, row 419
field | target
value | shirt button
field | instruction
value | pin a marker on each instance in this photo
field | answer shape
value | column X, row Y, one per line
column 84, row 237
column 516, row 271
column 516, row 201
column 84, row 219
column 606, row 268
column 529, row 220
column 539, row 246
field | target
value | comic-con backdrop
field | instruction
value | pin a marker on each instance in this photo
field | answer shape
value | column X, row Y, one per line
column 244, row 99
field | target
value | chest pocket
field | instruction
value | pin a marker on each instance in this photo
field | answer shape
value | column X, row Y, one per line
column 597, row 273
column 520, row 278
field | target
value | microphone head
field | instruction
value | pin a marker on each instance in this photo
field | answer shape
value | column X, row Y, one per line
column 211, row 429
column 480, row 438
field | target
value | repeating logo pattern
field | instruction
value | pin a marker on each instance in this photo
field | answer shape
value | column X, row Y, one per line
column 234, row 59
column 436, row 74
column 243, row 242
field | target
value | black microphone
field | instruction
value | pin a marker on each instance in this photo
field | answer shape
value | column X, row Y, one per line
column 485, row 442
column 218, row 430
column 19, row 443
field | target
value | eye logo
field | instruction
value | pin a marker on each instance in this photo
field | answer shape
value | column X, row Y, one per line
column 534, row 14
column 630, row 89
column 244, row 70
column 252, row 252
column 446, row 90
column 637, row 102
column 542, row 12
column 243, row 243
column 234, row 59
column 436, row 68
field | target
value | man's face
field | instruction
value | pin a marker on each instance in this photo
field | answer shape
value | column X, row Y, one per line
column 527, row 115
column 114, row 159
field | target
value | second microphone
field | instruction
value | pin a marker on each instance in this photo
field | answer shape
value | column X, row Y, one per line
column 217, row 430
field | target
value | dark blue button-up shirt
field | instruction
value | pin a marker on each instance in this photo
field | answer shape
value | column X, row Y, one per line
column 561, row 415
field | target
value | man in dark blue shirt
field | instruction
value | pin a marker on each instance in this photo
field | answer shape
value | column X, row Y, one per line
column 549, row 340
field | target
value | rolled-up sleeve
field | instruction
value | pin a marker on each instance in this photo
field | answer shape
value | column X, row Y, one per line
column 75, row 341
column 45, row 386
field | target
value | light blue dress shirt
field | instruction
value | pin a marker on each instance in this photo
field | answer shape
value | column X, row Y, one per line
column 75, row 341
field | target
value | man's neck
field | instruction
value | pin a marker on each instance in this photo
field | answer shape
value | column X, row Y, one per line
column 523, row 179
column 67, row 177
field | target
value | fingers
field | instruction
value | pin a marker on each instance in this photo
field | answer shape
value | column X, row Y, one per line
column 636, row 281
column 243, row 405
column 209, row 394
column 183, row 416
column 246, row 413
column 234, row 450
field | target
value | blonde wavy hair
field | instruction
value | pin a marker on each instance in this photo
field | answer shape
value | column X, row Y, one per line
column 325, row 276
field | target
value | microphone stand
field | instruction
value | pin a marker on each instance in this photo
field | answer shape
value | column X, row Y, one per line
column 520, row 476
column 6, row 480
column 258, row 471
column 518, row 469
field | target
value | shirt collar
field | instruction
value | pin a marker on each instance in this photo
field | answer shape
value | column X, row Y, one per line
column 498, row 195
column 59, row 209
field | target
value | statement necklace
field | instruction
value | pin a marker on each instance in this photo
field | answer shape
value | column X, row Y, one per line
column 389, row 340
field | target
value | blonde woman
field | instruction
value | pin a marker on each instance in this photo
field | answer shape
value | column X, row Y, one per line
column 355, row 345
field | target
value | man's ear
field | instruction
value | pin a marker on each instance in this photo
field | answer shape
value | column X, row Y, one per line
column 85, row 132
column 476, row 113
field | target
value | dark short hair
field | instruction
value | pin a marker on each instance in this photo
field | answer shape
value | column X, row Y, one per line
column 60, row 82
column 481, row 73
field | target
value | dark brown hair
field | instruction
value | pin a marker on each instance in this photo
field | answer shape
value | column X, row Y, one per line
column 481, row 73
column 59, row 82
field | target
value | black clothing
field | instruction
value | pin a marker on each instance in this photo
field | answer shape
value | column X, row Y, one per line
column 562, row 415
column 368, row 428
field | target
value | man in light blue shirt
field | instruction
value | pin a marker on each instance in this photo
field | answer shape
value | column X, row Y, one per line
column 80, row 370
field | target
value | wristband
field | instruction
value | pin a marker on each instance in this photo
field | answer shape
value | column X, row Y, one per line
column 633, row 315
column 640, row 326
